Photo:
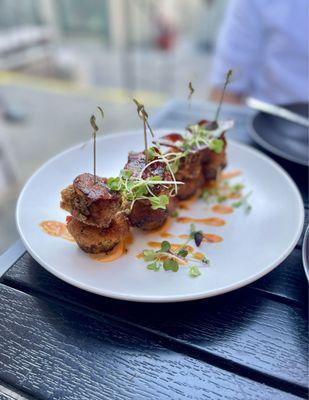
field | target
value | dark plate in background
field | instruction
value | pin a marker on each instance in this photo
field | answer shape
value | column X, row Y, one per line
column 281, row 137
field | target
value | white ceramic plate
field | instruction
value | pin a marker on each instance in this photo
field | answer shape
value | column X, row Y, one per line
column 253, row 245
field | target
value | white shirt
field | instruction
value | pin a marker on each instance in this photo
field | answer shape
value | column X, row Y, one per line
column 265, row 42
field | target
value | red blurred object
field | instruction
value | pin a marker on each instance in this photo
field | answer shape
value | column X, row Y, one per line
column 167, row 34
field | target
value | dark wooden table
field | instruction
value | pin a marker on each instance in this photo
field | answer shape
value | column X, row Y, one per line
column 59, row 342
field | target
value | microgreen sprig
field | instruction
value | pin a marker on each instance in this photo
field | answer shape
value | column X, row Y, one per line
column 170, row 259
column 243, row 202
column 224, row 191
column 136, row 188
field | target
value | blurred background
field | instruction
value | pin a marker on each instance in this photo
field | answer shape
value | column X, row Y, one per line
column 60, row 58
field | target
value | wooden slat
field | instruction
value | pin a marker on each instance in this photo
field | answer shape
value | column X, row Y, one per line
column 287, row 281
column 267, row 336
column 54, row 352
column 10, row 393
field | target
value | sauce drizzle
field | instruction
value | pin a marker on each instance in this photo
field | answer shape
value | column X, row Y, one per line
column 207, row 237
column 56, row 229
column 222, row 209
column 205, row 221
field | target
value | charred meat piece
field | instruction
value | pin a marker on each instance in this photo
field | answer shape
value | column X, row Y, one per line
column 142, row 215
column 89, row 202
column 93, row 239
column 190, row 187
column 189, row 170
column 212, row 163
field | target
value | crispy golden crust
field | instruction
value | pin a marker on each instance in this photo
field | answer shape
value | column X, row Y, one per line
column 89, row 202
column 92, row 239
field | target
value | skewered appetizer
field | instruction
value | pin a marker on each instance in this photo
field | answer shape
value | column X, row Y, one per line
column 97, row 223
column 90, row 201
column 148, row 188
column 142, row 214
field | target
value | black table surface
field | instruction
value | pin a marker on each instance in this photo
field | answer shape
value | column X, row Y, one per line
column 59, row 342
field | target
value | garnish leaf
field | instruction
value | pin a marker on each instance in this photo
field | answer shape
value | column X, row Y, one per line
column 126, row 173
column 183, row 253
column 165, row 246
column 170, row 265
column 216, row 145
column 114, row 183
column 174, row 214
column 194, row 272
column 159, row 201
column 149, row 255
column 153, row 266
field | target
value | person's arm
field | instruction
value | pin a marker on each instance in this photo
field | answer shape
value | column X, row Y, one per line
column 239, row 47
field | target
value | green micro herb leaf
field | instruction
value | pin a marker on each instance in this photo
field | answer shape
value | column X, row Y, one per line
column 149, row 255
column 216, row 145
column 205, row 260
column 174, row 214
column 114, row 183
column 153, row 266
column 165, row 246
column 170, row 265
column 159, row 202
column 194, row 272
column 151, row 153
column 243, row 203
column 182, row 253
column 192, row 230
column 126, row 173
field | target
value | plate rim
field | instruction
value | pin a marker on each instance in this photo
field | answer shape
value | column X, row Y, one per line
column 305, row 252
column 173, row 298
column 268, row 146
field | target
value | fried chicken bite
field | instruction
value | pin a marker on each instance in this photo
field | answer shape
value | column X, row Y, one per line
column 93, row 239
column 90, row 202
column 142, row 215
column 212, row 163
column 189, row 170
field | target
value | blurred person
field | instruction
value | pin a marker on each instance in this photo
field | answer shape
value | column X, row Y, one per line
column 266, row 44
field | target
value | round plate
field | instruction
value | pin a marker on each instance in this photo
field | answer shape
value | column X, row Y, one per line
column 253, row 244
column 281, row 137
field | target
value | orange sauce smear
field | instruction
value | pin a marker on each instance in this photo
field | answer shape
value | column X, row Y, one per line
column 199, row 256
column 57, row 229
column 230, row 175
column 222, row 209
column 174, row 246
column 205, row 221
